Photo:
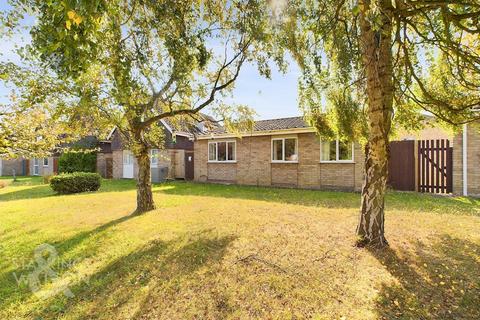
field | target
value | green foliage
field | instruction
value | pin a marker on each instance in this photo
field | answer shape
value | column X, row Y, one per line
column 435, row 60
column 75, row 182
column 77, row 161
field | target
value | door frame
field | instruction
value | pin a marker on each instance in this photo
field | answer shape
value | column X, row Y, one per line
column 36, row 167
column 127, row 162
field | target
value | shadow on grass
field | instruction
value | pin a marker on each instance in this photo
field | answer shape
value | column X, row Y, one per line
column 437, row 282
column 132, row 281
column 328, row 199
column 13, row 287
column 37, row 190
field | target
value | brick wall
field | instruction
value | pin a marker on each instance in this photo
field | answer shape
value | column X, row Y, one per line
column 117, row 160
column 42, row 170
column 473, row 159
column 8, row 166
column 102, row 163
column 254, row 167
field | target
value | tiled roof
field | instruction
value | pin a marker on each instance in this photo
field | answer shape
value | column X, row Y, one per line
column 272, row 125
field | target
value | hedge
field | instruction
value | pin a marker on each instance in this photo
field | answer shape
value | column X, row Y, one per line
column 75, row 182
column 77, row 162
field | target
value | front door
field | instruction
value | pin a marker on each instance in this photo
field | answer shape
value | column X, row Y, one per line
column 189, row 166
column 36, row 165
column 127, row 164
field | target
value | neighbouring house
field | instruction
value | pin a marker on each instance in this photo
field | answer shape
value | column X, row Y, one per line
column 42, row 166
column 10, row 166
column 174, row 161
column 278, row 152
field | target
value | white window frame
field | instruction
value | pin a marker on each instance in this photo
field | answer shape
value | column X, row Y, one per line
column 36, row 167
column 154, row 160
column 337, row 149
column 48, row 161
column 226, row 151
column 283, row 150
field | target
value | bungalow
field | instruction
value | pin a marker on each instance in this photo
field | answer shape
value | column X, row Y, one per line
column 175, row 161
column 278, row 152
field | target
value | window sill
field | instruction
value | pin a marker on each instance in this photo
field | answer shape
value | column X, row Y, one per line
column 275, row 161
column 221, row 161
column 345, row 161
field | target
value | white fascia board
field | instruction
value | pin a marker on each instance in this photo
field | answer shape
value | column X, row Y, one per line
column 256, row 133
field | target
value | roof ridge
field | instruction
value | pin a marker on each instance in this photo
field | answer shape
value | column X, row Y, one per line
column 295, row 117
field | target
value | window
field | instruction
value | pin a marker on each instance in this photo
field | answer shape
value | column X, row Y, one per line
column 336, row 151
column 154, row 158
column 284, row 150
column 127, row 157
column 45, row 162
column 224, row 151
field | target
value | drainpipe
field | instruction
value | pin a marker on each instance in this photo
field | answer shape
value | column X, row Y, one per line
column 465, row 163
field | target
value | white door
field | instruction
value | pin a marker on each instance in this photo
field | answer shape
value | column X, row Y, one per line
column 127, row 164
column 36, row 167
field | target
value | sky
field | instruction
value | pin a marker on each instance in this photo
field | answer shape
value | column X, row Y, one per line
column 274, row 98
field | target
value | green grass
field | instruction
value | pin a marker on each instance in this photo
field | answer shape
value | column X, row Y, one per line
column 232, row 252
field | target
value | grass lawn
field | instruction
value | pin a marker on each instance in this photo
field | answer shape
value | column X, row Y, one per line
column 220, row 252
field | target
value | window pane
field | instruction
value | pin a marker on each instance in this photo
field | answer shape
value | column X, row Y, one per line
column 45, row 161
column 222, row 151
column 329, row 150
column 231, row 151
column 277, row 150
column 154, row 157
column 212, row 151
column 291, row 150
column 345, row 151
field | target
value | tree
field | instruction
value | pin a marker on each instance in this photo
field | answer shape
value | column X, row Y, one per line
column 33, row 123
column 149, row 60
column 370, row 63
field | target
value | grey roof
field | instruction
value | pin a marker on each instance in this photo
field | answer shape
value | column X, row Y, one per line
column 273, row 124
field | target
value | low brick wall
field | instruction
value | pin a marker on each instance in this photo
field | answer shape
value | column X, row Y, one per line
column 254, row 167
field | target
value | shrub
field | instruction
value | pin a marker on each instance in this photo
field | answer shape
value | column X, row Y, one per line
column 77, row 161
column 75, row 182
column 47, row 178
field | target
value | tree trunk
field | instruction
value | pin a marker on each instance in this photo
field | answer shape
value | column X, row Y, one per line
column 377, row 59
column 144, row 185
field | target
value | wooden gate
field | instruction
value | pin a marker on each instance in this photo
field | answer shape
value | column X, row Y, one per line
column 401, row 165
column 435, row 166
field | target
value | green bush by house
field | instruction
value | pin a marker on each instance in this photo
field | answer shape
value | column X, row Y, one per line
column 77, row 162
column 75, row 182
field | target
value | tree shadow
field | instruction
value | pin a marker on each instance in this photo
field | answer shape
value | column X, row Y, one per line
column 128, row 281
column 306, row 197
column 441, row 281
column 13, row 286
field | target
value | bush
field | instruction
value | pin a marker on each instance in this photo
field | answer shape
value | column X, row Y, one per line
column 47, row 178
column 77, row 162
column 75, row 182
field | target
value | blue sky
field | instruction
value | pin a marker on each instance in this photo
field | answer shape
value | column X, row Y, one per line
column 273, row 98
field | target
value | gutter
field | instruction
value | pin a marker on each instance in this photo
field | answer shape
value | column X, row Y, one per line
column 465, row 162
